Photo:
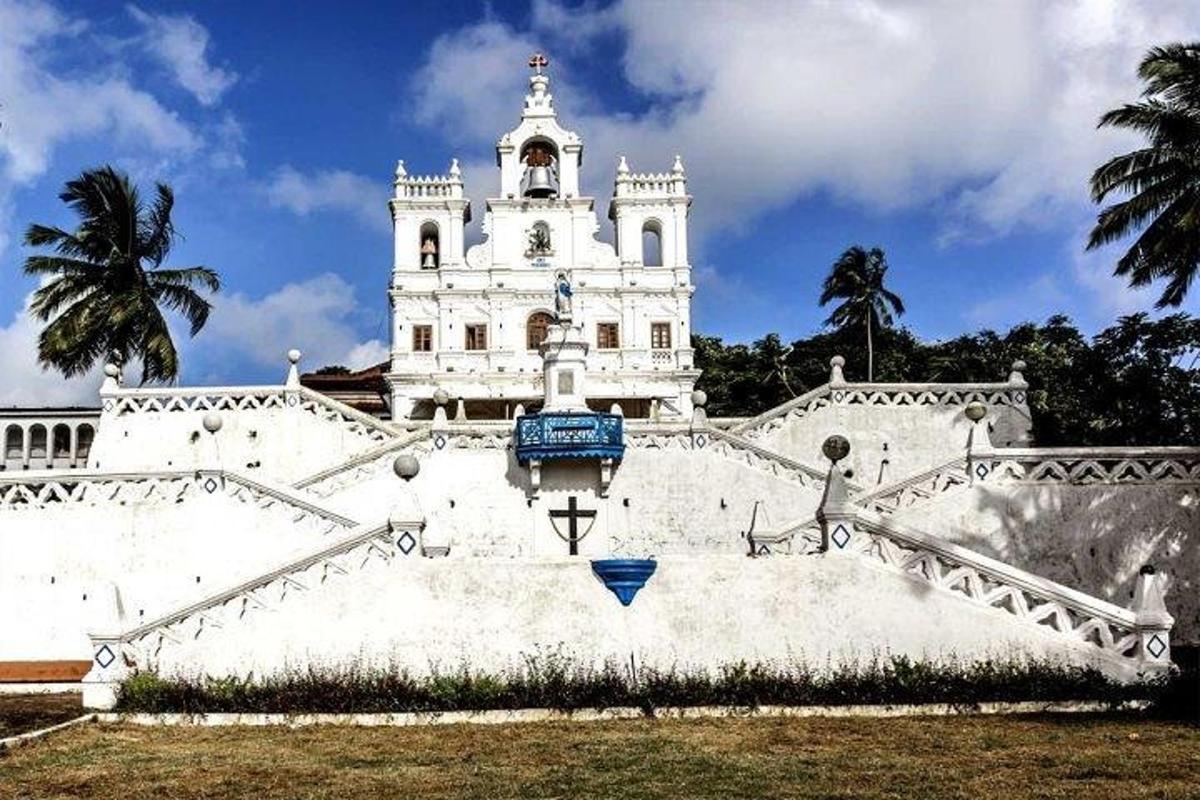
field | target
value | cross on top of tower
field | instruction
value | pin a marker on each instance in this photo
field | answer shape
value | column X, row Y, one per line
column 538, row 62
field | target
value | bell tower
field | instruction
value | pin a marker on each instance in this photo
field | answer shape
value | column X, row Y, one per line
column 539, row 159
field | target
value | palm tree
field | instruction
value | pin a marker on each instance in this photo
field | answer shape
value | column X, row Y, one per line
column 1162, row 180
column 857, row 280
column 108, row 288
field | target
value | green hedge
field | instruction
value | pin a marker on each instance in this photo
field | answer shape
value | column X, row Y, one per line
column 555, row 683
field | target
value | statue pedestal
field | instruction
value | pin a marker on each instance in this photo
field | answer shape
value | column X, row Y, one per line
column 564, row 363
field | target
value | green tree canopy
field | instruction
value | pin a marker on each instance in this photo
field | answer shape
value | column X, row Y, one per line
column 1134, row 383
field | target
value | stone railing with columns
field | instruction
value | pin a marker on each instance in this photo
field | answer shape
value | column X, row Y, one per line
column 432, row 187
column 1136, row 640
column 120, row 402
column 365, row 465
column 1090, row 465
column 839, row 392
column 655, row 184
column 1147, row 466
column 116, row 400
column 32, row 491
column 747, row 452
column 117, row 654
column 46, row 438
column 256, row 427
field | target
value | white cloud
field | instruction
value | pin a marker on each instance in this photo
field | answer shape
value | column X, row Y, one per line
column 228, row 139
column 23, row 382
column 315, row 315
column 987, row 109
column 337, row 190
column 180, row 44
column 41, row 109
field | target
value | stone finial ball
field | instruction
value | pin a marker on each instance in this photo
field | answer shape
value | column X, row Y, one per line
column 699, row 398
column 441, row 397
column 975, row 411
column 1018, row 366
column 212, row 422
column 837, row 361
column 112, row 370
column 836, row 448
column 406, row 466
column 294, row 356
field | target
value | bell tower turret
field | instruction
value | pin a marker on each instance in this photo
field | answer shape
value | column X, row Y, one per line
column 539, row 159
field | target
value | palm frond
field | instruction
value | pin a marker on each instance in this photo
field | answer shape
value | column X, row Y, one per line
column 1134, row 172
column 76, row 339
column 192, row 306
column 47, row 300
column 160, row 361
column 56, row 265
column 185, row 276
column 1121, row 219
column 158, row 232
column 1160, row 122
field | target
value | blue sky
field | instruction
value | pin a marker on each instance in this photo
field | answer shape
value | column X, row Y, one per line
column 958, row 137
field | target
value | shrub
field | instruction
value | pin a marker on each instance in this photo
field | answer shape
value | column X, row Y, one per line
column 559, row 684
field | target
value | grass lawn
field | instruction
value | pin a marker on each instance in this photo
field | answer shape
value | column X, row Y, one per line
column 23, row 713
column 963, row 757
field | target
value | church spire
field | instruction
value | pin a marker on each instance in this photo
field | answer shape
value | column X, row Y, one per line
column 538, row 103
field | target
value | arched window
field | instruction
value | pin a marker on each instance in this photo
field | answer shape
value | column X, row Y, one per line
column 14, row 442
column 535, row 329
column 652, row 243
column 37, row 441
column 431, row 246
column 61, row 441
column 83, row 441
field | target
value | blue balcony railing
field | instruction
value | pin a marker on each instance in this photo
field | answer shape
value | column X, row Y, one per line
column 550, row 436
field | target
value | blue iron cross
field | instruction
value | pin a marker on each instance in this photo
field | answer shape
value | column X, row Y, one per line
column 572, row 514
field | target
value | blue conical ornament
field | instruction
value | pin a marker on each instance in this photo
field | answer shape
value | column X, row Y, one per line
column 624, row 576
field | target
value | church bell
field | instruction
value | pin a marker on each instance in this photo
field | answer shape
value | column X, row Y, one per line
column 540, row 182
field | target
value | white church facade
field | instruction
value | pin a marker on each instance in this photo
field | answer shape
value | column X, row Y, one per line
column 578, row 501
column 469, row 321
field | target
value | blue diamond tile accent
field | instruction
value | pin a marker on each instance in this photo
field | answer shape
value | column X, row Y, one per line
column 104, row 657
column 210, row 486
column 701, row 441
column 439, row 442
column 108, row 405
column 763, row 550
column 837, row 397
column 406, row 543
column 981, row 470
column 1156, row 646
column 840, row 536
column 292, row 400
column 1019, row 397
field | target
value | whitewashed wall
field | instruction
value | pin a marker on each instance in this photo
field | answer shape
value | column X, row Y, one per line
column 1091, row 537
column 890, row 442
column 284, row 444
column 425, row 614
column 661, row 500
column 62, row 565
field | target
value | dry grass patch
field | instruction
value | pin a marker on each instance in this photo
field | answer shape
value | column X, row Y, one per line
column 24, row 713
column 966, row 757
